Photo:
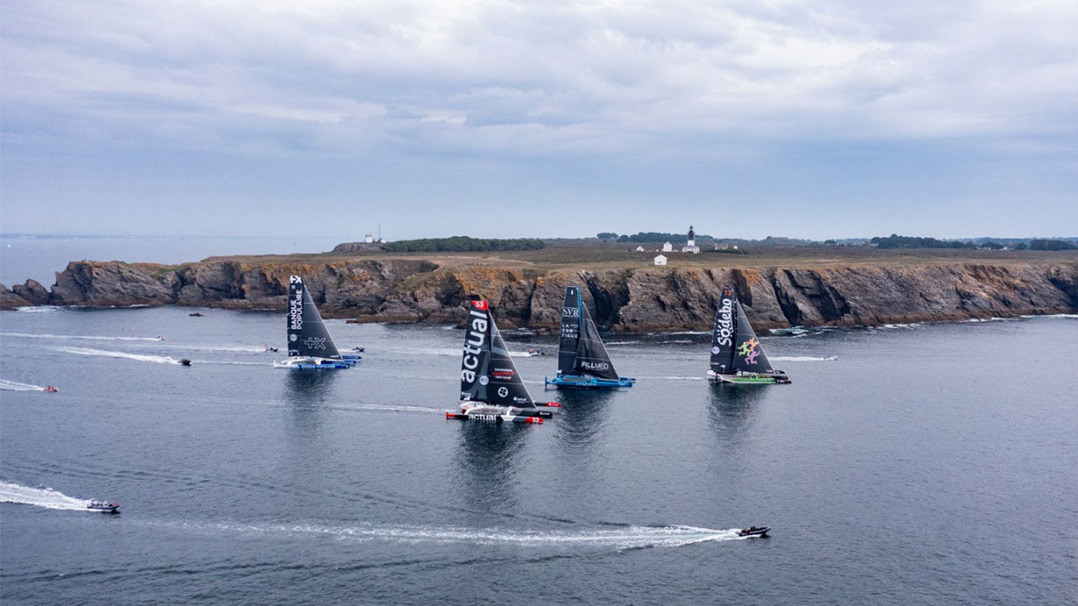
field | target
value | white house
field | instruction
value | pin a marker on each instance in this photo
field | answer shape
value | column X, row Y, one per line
column 668, row 247
column 639, row 249
column 369, row 239
column 660, row 259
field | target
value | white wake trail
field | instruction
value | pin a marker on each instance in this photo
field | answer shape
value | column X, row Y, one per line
column 87, row 351
column 25, row 335
column 39, row 497
column 6, row 385
column 803, row 358
column 621, row 538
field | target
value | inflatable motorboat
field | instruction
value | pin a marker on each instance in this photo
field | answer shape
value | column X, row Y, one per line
column 753, row 531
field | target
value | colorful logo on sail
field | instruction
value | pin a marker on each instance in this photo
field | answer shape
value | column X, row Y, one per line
column 748, row 349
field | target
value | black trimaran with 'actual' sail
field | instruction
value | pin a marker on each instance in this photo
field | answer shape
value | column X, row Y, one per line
column 736, row 353
column 583, row 362
column 309, row 343
column 490, row 387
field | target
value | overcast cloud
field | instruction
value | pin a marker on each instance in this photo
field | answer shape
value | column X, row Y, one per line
column 497, row 118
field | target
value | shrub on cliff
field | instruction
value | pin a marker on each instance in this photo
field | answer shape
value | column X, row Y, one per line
column 462, row 244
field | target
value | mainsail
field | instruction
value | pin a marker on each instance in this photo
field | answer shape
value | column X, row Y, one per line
column 581, row 349
column 734, row 345
column 487, row 372
column 307, row 334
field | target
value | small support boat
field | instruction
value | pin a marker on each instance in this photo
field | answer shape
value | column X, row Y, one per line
column 185, row 362
column 103, row 506
column 753, row 531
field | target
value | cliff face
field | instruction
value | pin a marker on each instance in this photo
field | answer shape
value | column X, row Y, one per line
column 631, row 300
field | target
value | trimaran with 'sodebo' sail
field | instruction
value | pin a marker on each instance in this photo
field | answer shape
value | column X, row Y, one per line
column 583, row 362
column 309, row 345
column 490, row 387
column 736, row 353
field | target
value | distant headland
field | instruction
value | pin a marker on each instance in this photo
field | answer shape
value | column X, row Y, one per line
column 834, row 284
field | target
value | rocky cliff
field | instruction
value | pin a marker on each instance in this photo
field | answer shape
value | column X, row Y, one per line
column 642, row 299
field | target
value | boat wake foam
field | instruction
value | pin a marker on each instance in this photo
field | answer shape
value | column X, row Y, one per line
column 39, row 497
column 804, row 358
column 6, row 385
column 87, row 351
column 25, row 335
column 630, row 537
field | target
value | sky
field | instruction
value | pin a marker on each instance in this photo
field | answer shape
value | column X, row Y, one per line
column 502, row 118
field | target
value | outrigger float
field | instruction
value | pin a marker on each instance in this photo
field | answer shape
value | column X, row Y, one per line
column 309, row 345
column 736, row 353
column 491, row 390
column 583, row 362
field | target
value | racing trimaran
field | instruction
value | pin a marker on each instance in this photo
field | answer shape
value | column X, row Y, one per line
column 490, row 387
column 583, row 362
column 736, row 353
column 309, row 343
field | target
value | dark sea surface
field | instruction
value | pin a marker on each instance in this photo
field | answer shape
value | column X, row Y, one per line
column 928, row 464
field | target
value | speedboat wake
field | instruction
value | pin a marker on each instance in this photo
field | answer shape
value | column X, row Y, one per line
column 88, row 351
column 629, row 537
column 39, row 497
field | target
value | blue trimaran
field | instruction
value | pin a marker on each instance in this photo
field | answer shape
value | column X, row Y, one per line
column 309, row 345
column 582, row 359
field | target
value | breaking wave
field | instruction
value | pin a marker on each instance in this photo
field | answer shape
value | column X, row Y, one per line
column 6, row 385
column 37, row 309
column 23, row 335
column 623, row 538
column 87, row 351
column 39, row 497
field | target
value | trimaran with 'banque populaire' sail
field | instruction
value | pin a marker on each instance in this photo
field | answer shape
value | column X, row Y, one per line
column 490, row 387
column 736, row 353
column 583, row 362
column 309, row 345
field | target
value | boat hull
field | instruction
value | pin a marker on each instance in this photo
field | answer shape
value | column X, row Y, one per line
column 497, row 419
column 748, row 379
column 314, row 364
column 755, row 532
column 585, row 382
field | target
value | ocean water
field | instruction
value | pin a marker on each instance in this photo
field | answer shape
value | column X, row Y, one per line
column 927, row 464
column 40, row 256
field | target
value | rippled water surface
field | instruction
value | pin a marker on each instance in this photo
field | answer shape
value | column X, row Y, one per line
column 929, row 464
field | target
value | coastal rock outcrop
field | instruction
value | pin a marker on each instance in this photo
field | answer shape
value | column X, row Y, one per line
column 643, row 299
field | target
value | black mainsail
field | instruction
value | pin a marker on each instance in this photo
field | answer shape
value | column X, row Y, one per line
column 734, row 345
column 581, row 350
column 487, row 372
column 307, row 334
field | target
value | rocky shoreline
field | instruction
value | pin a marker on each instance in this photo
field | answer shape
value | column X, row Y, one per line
column 642, row 299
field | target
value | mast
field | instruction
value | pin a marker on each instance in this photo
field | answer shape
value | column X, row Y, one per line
column 307, row 333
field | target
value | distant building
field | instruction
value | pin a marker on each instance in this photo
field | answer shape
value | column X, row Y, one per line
column 691, row 246
column 722, row 246
column 660, row 259
column 369, row 239
column 639, row 249
column 668, row 247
